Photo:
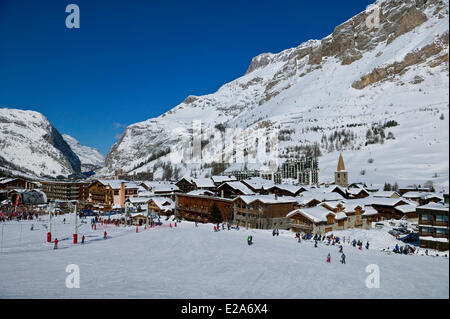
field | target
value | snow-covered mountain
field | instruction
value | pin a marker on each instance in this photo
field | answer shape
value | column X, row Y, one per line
column 90, row 157
column 390, row 79
column 31, row 146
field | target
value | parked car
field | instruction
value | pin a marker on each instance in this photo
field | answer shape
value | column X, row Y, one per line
column 412, row 238
column 379, row 225
column 395, row 232
column 402, row 230
column 88, row 212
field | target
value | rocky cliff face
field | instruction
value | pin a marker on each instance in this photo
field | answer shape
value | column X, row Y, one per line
column 357, row 78
column 31, row 145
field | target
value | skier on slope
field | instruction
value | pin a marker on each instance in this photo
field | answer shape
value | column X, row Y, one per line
column 249, row 240
column 56, row 244
column 340, row 248
column 367, row 245
column 104, row 235
column 329, row 258
column 343, row 258
column 315, row 244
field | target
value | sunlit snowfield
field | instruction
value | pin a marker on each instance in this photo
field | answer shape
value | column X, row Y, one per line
column 190, row 262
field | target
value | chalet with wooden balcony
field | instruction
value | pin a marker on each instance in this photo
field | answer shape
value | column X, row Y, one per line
column 161, row 206
column 198, row 207
column 331, row 216
column 106, row 194
column 386, row 207
column 66, row 191
column 8, row 184
column 263, row 211
column 433, row 226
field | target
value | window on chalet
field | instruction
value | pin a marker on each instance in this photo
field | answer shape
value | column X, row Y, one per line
column 427, row 229
column 442, row 231
column 427, row 217
column 441, row 218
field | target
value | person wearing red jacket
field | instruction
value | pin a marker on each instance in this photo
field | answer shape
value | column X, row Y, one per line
column 56, row 244
column 104, row 235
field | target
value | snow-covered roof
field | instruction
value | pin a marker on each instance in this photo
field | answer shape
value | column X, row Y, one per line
column 437, row 239
column 259, row 183
column 322, row 195
column 203, row 182
column 186, row 178
column 115, row 183
column 160, row 186
column 316, row 214
column 435, row 206
column 385, row 194
column 201, row 192
column 387, row 201
column 238, row 186
column 163, row 203
column 337, row 187
column 145, row 193
column 7, row 180
column 138, row 200
column 421, row 195
column 267, row 199
column 340, row 216
column 406, row 208
column 222, row 179
column 332, row 204
column 356, row 191
column 369, row 211
column 293, row 189
column 304, row 200
column 350, row 206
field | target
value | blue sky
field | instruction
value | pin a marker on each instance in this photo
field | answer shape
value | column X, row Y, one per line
column 133, row 60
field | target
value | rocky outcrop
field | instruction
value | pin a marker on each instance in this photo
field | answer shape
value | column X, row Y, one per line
column 409, row 21
column 412, row 58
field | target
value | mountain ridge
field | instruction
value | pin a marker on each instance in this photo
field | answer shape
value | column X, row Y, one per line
column 280, row 89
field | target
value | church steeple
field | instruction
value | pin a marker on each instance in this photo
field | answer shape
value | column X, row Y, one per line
column 341, row 175
column 340, row 166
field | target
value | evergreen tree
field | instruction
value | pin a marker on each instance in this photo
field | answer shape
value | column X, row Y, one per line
column 395, row 187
